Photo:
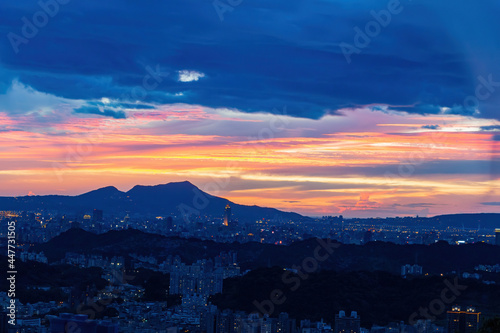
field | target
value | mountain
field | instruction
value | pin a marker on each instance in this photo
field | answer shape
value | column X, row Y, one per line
column 178, row 198
column 469, row 221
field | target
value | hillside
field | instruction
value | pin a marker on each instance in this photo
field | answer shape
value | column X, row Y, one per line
column 374, row 256
column 378, row 297
column 178, row 198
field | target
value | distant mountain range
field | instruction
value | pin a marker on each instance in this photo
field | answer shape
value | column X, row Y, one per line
column 467, row 221
column 173, row 198
column 181, row 198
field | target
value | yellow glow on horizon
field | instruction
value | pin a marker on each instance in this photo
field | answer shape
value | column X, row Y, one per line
column 307, row 166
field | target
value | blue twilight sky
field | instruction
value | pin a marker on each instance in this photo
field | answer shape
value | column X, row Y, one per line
column 262, row 54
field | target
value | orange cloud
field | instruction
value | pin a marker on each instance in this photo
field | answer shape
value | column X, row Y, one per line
column 311, row 166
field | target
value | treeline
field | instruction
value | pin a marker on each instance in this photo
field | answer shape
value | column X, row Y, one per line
column 378, row 297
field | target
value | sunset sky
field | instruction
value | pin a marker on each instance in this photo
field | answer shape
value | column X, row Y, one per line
column 256, row 102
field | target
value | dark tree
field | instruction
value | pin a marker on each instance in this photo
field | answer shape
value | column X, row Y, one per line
column 491, row 325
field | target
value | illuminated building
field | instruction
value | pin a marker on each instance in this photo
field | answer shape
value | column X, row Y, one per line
column 345, row 324
column 285, row 324
column 463, row 321
column 497, row 236
column 227, row 215
column 188, row 280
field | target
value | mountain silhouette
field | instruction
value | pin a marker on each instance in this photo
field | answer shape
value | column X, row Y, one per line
column 179, row 198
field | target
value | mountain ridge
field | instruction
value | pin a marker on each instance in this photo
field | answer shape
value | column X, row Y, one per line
column 184, row 197
column 181, row 198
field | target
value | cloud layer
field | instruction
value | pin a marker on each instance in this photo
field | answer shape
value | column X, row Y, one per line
column 357, row 162
column 430, row 57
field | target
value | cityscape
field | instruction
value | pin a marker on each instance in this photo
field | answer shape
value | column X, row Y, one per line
column 250, row 166
column 190, row 273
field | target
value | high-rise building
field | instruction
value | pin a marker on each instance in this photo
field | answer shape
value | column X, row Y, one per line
column 4, row 326
column 345, row 324
column 367, row 236
column 97, row 216
column 227, row 215
column 193, row 279
column 463, row 321
column 209, row 319
column 268, row 325
column 285, row 324
column 497, row 236
column 170, row 223
column 225, row 321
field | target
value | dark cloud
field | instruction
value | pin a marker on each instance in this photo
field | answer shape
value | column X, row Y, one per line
column 431, row 127
column 102, row 111
column 491, row 128
column 6, row 130
column 440, row 167
column 417, row 205
column 123, row 105
column 262, row 55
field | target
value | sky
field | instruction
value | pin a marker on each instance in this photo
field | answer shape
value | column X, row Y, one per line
column 360, row 108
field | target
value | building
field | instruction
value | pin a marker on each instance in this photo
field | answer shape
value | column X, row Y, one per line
column 285, row 324
column 463, row 321
column 224, row 322
column 170, row 223
column 227, row 215
column 411, row 270
column 194, row 301
column 187, row 280
column 345, row 324
column 215, row 321
column 422, row 326
column 367, row 236
column 97, row 215
column 268, row 325
column 67, row 322
column 4, row 321
column 497, row 236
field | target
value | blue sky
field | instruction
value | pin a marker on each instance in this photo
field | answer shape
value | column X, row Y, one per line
column 300, row 105
column 263, row 54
